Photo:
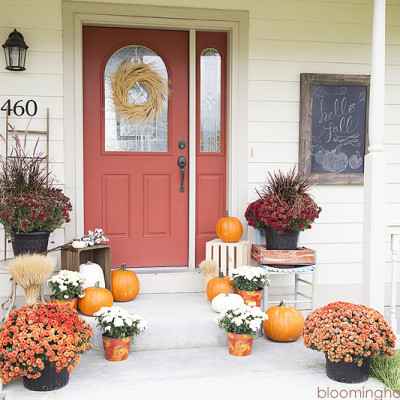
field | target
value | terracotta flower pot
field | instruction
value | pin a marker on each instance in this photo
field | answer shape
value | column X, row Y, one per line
column 252, row 299
column 116, row 349
column 73, row 303
column 240, row 345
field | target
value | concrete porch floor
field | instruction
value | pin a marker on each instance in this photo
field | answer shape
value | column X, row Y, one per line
column 197, row 371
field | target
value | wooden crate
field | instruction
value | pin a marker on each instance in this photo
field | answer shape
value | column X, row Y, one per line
column 100, row 254
column 283, row 258
column 228, row 256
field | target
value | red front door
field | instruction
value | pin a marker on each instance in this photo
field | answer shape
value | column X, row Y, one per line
column 131, row 176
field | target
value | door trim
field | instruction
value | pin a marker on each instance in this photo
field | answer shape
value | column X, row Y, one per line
column 235, row 23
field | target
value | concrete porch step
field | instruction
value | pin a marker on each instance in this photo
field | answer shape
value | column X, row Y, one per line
column 175, row 321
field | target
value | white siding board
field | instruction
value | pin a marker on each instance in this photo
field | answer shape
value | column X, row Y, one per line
column 309, row 51
column 274, row 91
column 26, row 84
column 339, row 273
column 392, row 134
column 392, row 94
column 258, row 172
column 332, row 233
column 267, row 131
column 392, row 114
column 342, row 253
column 31, row 16
column 312, row 11
column 278, row 70
column 338, row 194
column 393, row 173
column 273, row 111
column 273, row 152
column 392, row 152
column 311, row 31
column 336, row 213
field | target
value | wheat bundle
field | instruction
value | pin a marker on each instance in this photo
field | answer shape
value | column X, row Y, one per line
column 125, row 78
column 209, row 269
column 30, row 271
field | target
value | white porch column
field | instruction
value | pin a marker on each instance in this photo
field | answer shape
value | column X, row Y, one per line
column 375, row 172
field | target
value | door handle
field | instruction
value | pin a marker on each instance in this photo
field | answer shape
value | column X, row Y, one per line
column 181, row 165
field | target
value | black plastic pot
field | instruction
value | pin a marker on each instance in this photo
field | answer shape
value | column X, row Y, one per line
column 346, row 372
column 32, row 242
column 287, row 240
column 49, row 379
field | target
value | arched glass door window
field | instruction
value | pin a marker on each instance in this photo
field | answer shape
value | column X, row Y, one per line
column 121, row 135
column 210, row 101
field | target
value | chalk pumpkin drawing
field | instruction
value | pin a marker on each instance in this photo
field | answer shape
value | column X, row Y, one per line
column 335, row 160
column 355, row 161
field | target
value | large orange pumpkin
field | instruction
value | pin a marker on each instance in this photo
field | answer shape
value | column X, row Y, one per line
column 125, row 284
column 218, row 285
column 95, row 298
column 229, row 229
column 284, row 324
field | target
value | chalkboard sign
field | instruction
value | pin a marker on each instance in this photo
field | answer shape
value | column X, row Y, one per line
column 333, row 128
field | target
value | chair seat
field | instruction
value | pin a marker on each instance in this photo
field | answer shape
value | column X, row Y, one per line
column 295, row 270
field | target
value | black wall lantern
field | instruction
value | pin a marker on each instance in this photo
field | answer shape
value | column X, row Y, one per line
column 15, row 51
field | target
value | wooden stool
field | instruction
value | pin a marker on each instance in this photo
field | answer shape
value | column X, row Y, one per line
column 228, row 256
column 100, row 254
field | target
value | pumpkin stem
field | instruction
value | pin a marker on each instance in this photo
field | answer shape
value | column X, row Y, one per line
column 97, row 285
column 227, row 214
column 221, row 275
column 282, row 304
column 88, row 262
column 123, row 267
column 227, row 293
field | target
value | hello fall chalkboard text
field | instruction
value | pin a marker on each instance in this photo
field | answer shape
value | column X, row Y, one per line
column 333, row 128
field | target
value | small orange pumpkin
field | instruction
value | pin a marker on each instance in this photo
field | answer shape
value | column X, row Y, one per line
column 219, row 284
column 95, row 298
column 125, row 284
column 284, row 324
column 229, row 229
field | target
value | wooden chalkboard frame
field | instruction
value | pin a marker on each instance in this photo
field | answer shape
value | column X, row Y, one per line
column 307, row 81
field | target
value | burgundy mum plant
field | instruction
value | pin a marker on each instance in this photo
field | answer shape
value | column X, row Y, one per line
column 29, row 200
column 284, row 204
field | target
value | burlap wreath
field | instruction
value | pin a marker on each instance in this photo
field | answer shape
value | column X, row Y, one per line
column 125, row 78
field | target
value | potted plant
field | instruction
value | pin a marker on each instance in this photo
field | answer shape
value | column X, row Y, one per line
column 42, row 343
column 30, row 205
column 241, row 325
column 66, row 287
column 120, row 327
column 284, row 209
column 250, row 282
column 349, row 334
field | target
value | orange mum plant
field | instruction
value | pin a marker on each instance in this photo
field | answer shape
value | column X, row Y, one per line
column 348, row 332
column 39, row 334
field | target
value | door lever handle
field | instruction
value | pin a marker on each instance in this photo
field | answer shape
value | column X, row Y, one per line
column 182, row 164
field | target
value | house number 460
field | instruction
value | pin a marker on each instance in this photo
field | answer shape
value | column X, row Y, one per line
column 19, row 108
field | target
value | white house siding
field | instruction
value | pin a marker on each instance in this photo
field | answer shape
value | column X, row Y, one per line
column 286, row 38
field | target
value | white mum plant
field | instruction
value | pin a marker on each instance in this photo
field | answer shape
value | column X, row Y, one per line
column 249, row 278
column 118, row 323
column 243, row 320
column 66, row 285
